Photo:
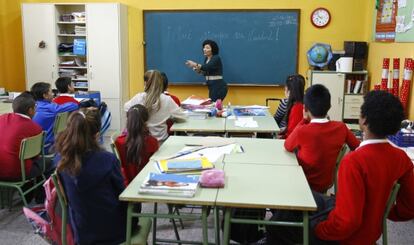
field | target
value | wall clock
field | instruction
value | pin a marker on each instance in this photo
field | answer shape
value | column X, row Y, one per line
column 320, row 17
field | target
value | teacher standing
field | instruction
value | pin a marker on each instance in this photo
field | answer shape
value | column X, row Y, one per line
column 212, row 69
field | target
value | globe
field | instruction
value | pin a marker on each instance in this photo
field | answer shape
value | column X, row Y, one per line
column 319, row 55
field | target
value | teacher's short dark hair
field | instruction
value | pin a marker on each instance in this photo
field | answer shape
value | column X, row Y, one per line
column 213, row 45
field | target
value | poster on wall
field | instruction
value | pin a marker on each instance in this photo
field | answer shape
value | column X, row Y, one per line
column 394, row 21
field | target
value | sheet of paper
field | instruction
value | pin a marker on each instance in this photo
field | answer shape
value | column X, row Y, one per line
column 211, row 153
column 246, row 122
column 402, row 3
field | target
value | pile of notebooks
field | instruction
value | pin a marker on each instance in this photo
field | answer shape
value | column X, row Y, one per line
column 170, row 185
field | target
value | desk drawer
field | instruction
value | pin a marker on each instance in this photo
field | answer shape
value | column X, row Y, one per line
column 352, row 106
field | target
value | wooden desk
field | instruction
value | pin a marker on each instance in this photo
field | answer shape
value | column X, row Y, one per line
column 265, row 186
column 209, row 125
column 5, row 108
column 262, row 151
column 204, row 197
column 266, row 124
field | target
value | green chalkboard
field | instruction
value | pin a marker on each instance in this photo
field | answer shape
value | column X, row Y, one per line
column 257, row 47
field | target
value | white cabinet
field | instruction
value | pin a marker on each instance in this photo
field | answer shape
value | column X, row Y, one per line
column 347, row 91
column 103, row 67
column 39, row 43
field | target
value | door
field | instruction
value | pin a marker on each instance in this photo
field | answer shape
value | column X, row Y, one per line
column 103, row 47
column 39, row 38
column 335, row 84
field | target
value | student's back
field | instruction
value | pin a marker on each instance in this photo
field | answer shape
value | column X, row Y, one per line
column 96, row 214
column 318, row 144
column 14, row 128
column 365, row 179
column 92, row 181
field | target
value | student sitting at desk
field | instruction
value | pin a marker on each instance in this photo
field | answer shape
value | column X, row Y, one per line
column 66, row 90
column 92, row 181
column 318, row 143
column 367, row 175
column 14, row 128
column 136, row 145
column 365, row 179
column 170, row 122
column 46, row 111
column 160, row 107
column 295, row 85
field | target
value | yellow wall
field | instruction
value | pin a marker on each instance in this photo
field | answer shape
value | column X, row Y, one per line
column 351, row 20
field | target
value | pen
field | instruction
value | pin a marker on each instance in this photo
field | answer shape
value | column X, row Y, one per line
column 241, row 148
column 183, row 153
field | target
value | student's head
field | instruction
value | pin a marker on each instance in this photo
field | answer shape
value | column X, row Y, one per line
column 381, row 114
column 79, row 137
column 24, row 104
column 137, row 117
column 42, row 91
column 65, row 85
column 210, row 48
column 317, row 101
column 153, row 89
column 165, row 81
column 295, row 86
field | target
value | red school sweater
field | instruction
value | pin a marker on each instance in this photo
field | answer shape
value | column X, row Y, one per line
column 294, row 118
column 14, row 128
column 130, row 170
column 62, row 99
column 318, row 146
column 365, row 179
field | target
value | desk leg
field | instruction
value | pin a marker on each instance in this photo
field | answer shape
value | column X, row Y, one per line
column 204, row 224
column 226, row 232
column 154, row 225
column 217, row 224
column 305, row 228
column 129, row 224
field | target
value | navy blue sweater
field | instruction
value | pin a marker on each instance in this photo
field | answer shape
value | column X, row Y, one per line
column 96, row 214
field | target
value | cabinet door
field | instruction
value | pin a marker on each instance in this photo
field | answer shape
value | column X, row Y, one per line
column 39, row 25
column 103, row 47
column 335, row 84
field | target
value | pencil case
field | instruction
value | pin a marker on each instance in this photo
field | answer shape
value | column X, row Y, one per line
column 213, row 178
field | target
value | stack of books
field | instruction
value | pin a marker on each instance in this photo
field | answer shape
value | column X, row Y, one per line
column 193, row 165
column 170, row 185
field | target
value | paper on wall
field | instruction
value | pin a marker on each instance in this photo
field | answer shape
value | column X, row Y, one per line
column 402, row 3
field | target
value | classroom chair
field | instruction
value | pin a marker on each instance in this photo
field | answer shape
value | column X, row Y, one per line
column 272, row 99
column 61, row 120
column 171, row 208
column 390, row 202
column 29, row 148
column 341, row 155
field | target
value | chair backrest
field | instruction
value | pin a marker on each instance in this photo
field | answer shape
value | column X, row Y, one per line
column 341, row 155
column 64, row 209
column 390, row 202
column 60, row 122
column 29, row 148
column 113, row 146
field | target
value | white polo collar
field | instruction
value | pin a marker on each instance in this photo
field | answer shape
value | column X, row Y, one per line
column 23, row 115
column 319, row 120
column 372, row 141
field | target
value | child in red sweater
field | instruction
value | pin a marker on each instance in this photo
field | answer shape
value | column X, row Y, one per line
column 367, row 175
column 66, row 90
column 365, row 179
column 136, row 145
column 317, row 141
column 295, row 85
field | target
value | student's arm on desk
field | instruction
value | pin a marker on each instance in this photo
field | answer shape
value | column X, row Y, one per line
column 177, row 113
column 404, row 208
column 351, row 140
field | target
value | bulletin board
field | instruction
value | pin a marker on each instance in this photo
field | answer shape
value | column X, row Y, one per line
column 394, row 21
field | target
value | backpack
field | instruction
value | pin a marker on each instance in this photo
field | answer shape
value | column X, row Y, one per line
column 105, row 117
column 46, row 218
